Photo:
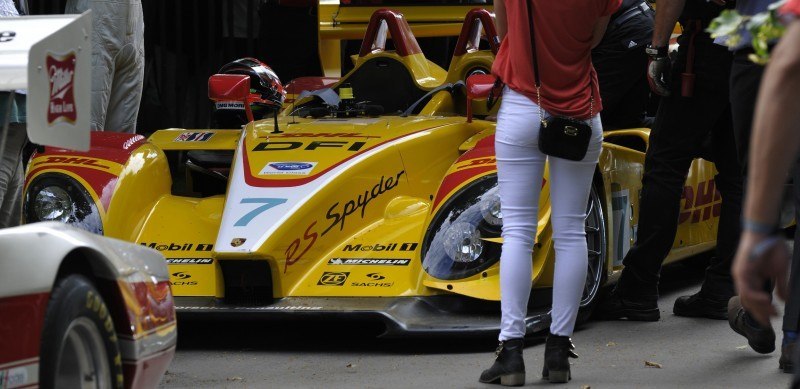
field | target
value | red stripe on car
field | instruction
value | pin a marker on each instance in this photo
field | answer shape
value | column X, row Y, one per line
column 23, row 318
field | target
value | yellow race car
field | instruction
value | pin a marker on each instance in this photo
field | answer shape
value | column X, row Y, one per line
column 339, row 210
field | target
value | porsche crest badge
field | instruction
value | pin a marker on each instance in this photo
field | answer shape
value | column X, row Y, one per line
column 236, row 242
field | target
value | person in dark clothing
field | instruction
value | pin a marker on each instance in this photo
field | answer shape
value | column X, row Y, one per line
column 694, row 106
column 762, row 255
column 621, row 65
column 744, row 84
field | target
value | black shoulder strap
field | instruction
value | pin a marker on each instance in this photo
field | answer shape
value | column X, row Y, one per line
column 536, row 80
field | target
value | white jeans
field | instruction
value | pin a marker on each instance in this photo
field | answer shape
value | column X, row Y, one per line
column 520, row 166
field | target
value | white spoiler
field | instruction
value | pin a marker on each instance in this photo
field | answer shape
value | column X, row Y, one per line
column 51, row 58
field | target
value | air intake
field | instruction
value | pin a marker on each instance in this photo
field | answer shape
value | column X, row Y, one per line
column 247, row 283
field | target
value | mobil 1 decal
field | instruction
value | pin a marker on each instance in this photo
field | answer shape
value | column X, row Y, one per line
column 378, row 247
column 179, row 246
column 338, row 212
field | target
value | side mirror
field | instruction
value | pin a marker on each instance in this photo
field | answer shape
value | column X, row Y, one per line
column 478, row 87
column 231, row 91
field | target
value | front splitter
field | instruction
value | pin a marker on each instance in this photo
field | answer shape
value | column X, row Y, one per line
column 429, row 316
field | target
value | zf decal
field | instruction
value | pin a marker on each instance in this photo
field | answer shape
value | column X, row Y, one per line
column 333, row 279
column 179, row 246
column 369, row 261
column 409, row 246
column 338, row 214
column 317, row 144
column 190, row 261
column 194, row 137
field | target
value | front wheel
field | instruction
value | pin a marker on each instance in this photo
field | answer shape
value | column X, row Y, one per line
column 79, row 345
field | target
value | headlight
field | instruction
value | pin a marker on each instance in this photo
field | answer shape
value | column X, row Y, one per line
column 52, row 204
column 57, row 197
column 490, row 207
column 462, row 242
column 455, row 246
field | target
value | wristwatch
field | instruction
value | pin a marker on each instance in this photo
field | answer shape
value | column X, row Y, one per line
column 656, row 52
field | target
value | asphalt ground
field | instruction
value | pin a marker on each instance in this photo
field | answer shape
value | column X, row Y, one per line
column 697, row 353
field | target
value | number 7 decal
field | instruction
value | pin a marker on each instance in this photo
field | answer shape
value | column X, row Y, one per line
column 268, row 203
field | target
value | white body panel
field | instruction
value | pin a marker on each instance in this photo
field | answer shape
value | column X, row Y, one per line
column 30, row 257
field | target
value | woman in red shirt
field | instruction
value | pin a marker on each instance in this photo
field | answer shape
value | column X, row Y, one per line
column 565, row 32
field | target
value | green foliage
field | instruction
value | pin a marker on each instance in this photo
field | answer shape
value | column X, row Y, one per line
column 765, row 27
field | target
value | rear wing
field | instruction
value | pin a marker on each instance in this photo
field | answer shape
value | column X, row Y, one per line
column 50, row 59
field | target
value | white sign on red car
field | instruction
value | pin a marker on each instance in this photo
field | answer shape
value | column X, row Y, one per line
column 51, row 58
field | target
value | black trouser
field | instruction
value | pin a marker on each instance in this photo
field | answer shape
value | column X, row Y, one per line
column 621, row 65
column 745, row 82
column 791, row 313
column 681, row 127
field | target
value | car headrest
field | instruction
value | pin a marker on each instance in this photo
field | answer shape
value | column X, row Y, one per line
column 384, row 20
column 469, row 39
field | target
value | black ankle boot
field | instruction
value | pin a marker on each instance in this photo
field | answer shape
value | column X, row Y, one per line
column 557, row 352
column 508, row 367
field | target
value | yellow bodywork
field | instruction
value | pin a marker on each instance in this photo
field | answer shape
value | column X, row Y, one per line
column 377, row 185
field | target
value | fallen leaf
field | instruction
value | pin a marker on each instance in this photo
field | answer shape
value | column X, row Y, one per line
column 234, row 378
column 652, row 364
column 586, row 387
column 610, row 344
column 350, row 365
column 741, row 347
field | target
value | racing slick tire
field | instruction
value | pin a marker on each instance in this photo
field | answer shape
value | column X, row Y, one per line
column 79, row 345
column 597, row 246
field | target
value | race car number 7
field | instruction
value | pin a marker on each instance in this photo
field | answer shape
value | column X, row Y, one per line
column 267, row 204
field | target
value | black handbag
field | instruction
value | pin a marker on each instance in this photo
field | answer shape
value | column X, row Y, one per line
column 559, row 136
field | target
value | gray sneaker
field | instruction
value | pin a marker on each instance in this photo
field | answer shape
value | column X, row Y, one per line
column 761, row 339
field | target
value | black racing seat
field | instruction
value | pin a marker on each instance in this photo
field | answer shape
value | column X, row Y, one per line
column 385, row 81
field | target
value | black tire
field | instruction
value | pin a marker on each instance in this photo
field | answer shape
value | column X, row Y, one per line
column 79, row 345
column 597, row 245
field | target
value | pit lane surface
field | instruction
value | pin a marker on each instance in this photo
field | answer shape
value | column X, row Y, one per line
column 691, row 352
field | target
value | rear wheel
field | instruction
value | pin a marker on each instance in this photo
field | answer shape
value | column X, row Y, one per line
column 597, row 249
column 79, row 345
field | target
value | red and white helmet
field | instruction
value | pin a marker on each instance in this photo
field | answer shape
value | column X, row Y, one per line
column 263, row 79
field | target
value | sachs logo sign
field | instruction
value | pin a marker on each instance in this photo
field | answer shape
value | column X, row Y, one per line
column 61, row 73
